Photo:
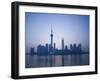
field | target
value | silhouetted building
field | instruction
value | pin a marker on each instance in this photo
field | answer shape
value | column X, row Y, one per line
column 66, row 48
column 74, row 48
column 51, row 47
column 51, row 38
column 32, row 51
column 71, row 47
column 47, row 48
column 79, row 47
column 41, row 49
column 62, row 43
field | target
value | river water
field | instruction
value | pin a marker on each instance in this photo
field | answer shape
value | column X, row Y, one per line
column 35, row 61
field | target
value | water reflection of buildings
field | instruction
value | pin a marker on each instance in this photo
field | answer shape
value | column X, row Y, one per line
column 51, row 48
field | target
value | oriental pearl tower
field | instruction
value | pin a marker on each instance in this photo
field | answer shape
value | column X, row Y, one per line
column 51, row 35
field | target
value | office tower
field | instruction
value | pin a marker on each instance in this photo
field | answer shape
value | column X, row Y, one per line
column 32, row 51
column 62, row 42
column 47, row 48
column 80, row 47
column 74, row 48
column 71, row 47
column 66, row 48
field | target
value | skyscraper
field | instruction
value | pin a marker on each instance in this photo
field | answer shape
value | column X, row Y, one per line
column 32, row 51
column 47, row 48
column 51, row 38
column 62, row 42
column 51, row 50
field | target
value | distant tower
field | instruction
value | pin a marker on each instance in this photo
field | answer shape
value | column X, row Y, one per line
column 51, row 39
column 62, row 42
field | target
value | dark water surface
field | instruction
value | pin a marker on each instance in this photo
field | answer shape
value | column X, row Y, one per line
column 32, row 61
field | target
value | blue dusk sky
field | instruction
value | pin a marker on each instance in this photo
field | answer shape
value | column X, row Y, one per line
column 73, row 28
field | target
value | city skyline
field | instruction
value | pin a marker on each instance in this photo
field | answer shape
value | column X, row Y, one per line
column 37, row 31
column 51, row 48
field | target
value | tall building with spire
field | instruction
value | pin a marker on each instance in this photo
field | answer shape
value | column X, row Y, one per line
column 51, row 35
